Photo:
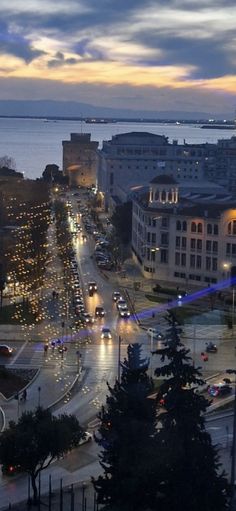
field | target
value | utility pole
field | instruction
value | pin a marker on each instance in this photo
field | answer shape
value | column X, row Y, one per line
column 119, row 346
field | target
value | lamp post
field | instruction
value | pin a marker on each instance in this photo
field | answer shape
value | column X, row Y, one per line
column 232, row 472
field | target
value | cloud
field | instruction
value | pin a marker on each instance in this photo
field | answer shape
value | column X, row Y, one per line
column 60, row 60
column 12, row 43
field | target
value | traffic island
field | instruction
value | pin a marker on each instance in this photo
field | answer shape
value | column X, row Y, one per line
column 13, row 381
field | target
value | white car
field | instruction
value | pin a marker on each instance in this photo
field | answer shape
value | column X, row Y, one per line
column 121, row 303
column 106, row 333
column 153, row 332
column 124, row 312
column 87, row 438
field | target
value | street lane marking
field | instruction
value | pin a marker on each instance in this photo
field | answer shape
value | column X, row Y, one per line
column 19, row 352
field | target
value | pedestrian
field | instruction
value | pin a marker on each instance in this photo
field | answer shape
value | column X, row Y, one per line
column 57, row 295
column 54, row 294
column 53, row 345
column 153, row 315
column 45, row 348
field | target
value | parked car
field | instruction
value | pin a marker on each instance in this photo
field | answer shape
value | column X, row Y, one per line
column 5, row 350
column 211, row 348
column 153, row 332
column 219, row 389
column 86, row 438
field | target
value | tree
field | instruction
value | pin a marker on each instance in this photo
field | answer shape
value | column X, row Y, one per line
column 126, row 435
column 192, row 479
column 36, row 440
column 7, row 162
column 122, row 221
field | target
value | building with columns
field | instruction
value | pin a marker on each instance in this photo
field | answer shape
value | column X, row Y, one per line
column 184, row 237
column 80, row 159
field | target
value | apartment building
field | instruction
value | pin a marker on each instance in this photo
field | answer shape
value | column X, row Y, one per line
column 184, row 237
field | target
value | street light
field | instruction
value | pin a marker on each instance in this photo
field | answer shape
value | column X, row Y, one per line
column 232, row 473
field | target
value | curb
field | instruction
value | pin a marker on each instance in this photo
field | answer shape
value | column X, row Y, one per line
column 65, row 393
column 3, row 419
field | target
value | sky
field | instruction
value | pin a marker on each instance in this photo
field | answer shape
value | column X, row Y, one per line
column 137, row 54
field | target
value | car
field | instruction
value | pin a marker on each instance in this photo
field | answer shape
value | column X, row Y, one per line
column 153, row 332
column 99, row 312
column 92, row 286
column 116, row 296
column 120, row 303
column 87, row 318
column 87, row 437
column 124, row 312
column 11, row 470
column 219, row 389
column 106, row 333
column 211, row 348
column 5, row 350
column 62, row 349
column 105, row 265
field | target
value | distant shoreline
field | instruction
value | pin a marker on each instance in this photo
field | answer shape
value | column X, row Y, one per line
column 106, row 120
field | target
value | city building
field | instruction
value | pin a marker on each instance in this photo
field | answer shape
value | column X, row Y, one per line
column 129, row 161
column 80, row 159
column 220, row 163
column 187, row 237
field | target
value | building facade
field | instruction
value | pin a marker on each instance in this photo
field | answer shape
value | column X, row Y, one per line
column 188, row 239
column 129, row 161
column 80, row 159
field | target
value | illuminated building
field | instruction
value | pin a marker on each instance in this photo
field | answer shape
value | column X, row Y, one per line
column 80, row 159
column 184, row 237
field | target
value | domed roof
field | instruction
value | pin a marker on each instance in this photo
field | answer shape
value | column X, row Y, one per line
column 164, row 179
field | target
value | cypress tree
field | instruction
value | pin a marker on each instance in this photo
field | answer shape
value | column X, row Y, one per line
column 126, row 435
column 192, row 479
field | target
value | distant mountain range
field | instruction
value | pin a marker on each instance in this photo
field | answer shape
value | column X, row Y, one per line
column 73, row 109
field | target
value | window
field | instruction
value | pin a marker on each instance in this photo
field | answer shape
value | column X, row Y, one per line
column 164, row 222
column 178, row 225
column 214, row 264
column 111, row 178
column 216, row 229
column 153, row 237
column 228, row 248
column 163, row 195
column 199, row 227
column 177, row 241
column 208, row 245
column 233, row 249
column 208, row 263
column 215, row 246
column 148, row 237
column 164, row 238
column 184, row 227
column 192, row 261
column 193, row 243
column 199, row 262
column 209, row 229
column 184, row 242
column 164, row 256
column 199, row 244
column 177, row 258
column 232, row 228
column 193, row 227
column 183, row 259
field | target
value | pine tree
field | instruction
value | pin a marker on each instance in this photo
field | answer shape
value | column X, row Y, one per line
column 126, row 435
column 192, row 478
